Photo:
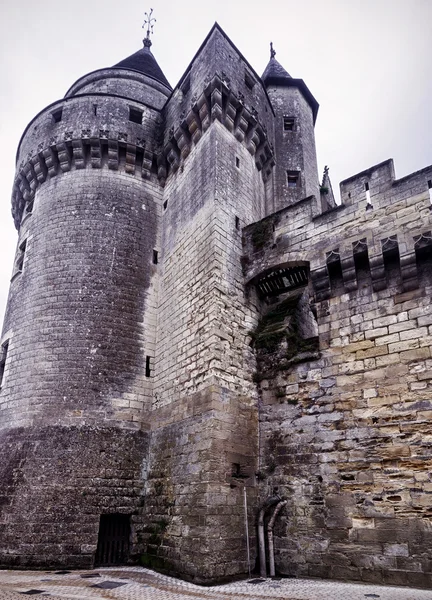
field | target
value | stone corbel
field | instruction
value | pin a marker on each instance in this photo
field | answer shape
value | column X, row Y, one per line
column 147, row 164
column 113, row 155
column 130, row 159
column 51, row 161
column 377, row 271
column 409, row 273
column 349, row 274
column 204, row 112
column 39, row 169
column 216, row 105
column 183, row 142
column 194, row 125
column 321, row 284
column 31, row 176
column 162, row 168
column 64, row 156
column 23, row 186
column 78, row 154
column 173, row 157
column 230, row 114
column 95, row 153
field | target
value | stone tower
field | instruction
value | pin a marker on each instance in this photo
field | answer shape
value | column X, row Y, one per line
column 194, row 326
column 80, row 325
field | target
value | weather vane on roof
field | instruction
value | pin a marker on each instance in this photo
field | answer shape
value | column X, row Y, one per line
column 149, row 21
column 272, row 51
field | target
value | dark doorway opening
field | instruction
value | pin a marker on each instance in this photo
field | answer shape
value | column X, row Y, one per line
column 113, row 540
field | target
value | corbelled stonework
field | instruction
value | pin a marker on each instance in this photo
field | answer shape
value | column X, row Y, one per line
column 195, row 326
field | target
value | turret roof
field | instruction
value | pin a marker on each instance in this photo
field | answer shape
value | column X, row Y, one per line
column 144, row 62
column 275, row 71
column 275, row 74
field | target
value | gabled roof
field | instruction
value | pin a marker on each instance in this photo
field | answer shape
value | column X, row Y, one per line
column 144, row 62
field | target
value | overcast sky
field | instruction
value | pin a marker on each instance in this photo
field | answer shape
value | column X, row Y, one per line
column 367, row 62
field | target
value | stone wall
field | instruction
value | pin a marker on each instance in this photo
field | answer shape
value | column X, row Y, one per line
column 344, row 428
column 80, row 325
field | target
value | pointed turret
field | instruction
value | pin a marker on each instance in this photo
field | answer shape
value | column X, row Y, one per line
column 327, row 197
column 274, row 71
column 144, row 62
column 296, row 170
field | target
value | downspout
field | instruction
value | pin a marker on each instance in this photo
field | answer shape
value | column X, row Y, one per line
column 261, row 539
column 270, row 526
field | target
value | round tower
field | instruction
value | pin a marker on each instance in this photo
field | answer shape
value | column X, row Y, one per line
column 296, row 170
column 79, row 332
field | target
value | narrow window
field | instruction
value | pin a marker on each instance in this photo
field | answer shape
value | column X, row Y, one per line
column 147, row 371
column 249, row 80
column 135, row 115
column 95, row 109
column 237, row 223
column 165, row 204
column 368, row 198
column 235, row 470
column 29, row 206
column 237, row 162
column 57, row 115
column 293, row 179
column 21, row 256
column 185, row 87
column 155, row 257
column 3, row 356
column 288, row 123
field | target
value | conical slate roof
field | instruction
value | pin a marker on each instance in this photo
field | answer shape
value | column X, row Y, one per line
column 274, row 72
column 145, row 62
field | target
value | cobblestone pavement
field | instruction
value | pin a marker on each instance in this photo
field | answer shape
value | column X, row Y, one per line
column 136, row 583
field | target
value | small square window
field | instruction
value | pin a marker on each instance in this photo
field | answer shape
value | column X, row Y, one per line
column 135, row 115
column 288, row 123
column 293, row 179
column 57, row 115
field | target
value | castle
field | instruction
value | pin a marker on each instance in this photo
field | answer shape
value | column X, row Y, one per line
column 197, row 332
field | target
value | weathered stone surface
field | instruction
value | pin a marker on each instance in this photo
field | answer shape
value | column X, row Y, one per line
column 190, row 321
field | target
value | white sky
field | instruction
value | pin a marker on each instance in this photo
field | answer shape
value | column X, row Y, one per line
column 367, row 62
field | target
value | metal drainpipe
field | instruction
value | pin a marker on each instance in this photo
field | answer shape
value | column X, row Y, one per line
column 261, row 540
column 270, row 535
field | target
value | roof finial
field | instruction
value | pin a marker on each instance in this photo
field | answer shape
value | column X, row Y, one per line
column 149, row 21
column 272, row 52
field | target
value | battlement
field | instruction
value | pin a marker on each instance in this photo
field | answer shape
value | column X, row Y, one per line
column 91, row 131
column 393, row 220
